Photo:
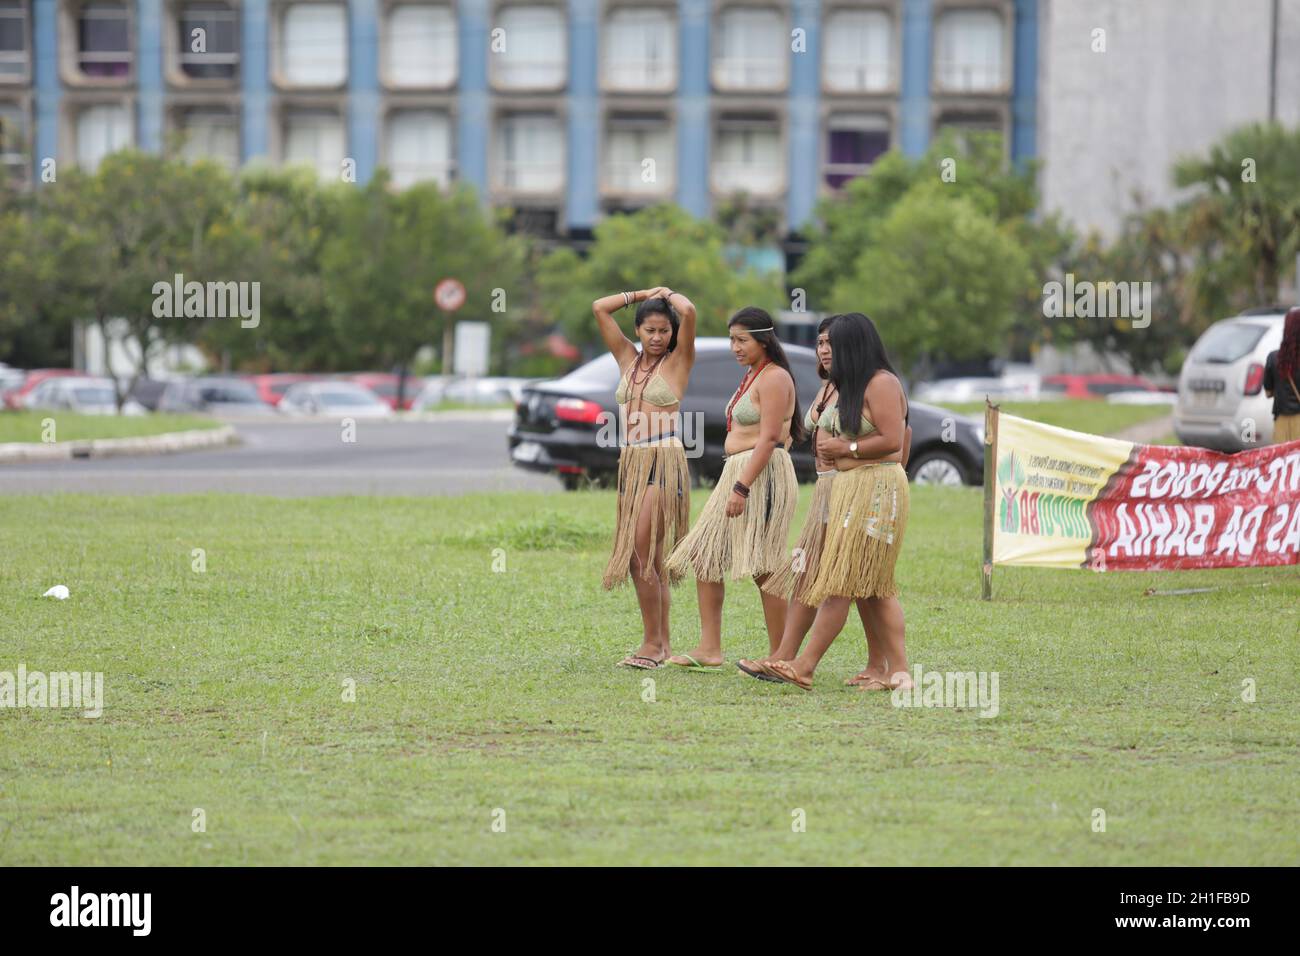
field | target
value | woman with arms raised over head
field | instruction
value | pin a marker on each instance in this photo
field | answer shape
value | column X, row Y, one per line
column 654, row 505
column 867, row 514
column 742, row 530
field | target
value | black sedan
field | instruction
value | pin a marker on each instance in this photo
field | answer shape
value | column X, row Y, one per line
column 564, row 426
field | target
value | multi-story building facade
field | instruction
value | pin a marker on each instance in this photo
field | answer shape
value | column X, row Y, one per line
column 563, row 109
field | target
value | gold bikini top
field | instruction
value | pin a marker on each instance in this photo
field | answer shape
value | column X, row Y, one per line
column 745, row 412
column 657, row 391
column 830, row 421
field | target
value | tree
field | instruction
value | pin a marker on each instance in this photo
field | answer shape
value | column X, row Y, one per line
column 392, row 248
column 658, row 245
column 940, row 277
column 1243, row 220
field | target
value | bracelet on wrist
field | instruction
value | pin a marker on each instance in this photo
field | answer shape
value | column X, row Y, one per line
column 741, row 489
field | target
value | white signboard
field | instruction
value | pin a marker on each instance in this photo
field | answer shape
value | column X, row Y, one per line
column 470, row 354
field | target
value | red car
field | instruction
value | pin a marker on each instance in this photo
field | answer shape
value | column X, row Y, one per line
column 15, row 396
column 1094, row 386
column 384, row 384
column 271, row 387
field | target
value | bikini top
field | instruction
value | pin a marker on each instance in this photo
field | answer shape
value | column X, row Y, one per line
column 745, row 411
column 830, row 421
column 657, row 391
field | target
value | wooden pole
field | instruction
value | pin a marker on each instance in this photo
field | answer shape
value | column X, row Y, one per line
column 990, row 481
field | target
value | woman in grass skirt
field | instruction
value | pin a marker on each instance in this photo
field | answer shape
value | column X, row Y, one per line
column 867, row 511
column 654, row 504
column 741, row 533
column 800, row 569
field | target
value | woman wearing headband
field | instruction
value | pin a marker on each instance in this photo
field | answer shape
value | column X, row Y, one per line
column 800, row 568
column 654, row 505
column 742, row 530
column 867, row 513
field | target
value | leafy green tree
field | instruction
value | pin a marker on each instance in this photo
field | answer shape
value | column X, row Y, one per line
column 1243, row 220
column 940, row 277
column 658, row 245
column 389, row 252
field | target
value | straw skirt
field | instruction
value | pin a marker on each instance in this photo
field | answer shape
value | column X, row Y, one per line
column 864, row 534
column 800, row 565
column 664, row 460
column 754, row 542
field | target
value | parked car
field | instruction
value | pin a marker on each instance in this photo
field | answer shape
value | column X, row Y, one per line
column 385, row 384
column 335, row 399
column 1093, row 386
column 486, row 391
column 1222, row 383
column 996, row 379
column 16, row 396
column 148, row 392
column 81, row 394
column 214, row 395
column 557, row 423
column 433, row 393
column 272, row 386
column 10, row 378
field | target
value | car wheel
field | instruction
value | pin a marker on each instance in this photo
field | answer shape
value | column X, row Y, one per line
column 937, row 468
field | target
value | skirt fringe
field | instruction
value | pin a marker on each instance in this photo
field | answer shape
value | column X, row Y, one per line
column 752, row 544
column 864, row 534
column 799, row 569
column 636, row 463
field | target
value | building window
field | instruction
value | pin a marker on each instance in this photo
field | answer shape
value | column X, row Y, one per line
column 104, row 41
column 752, row 52
column 314, row 45
column 857, row 52
column 530, row 153
column 968, row 51
column 13, row 144
column 639, row 154
column 420, row 46
column 640, row 49
column 210, row 133
column 535, row 52
column 962, row 125
column 101, row 129
column 314, row 138
column 418, row 147
column 13, row 40
column 748, row 156
column 853, row 142
column 207, row 41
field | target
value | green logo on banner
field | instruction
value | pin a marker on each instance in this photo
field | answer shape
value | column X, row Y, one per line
column 1011, row 474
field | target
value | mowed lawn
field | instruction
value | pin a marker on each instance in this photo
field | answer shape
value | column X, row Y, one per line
column 481, row 690
column 28, row 425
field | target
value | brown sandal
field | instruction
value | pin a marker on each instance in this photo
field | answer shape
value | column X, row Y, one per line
column 785, row 673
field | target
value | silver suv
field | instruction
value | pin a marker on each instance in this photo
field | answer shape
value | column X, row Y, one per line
column 1221, row 385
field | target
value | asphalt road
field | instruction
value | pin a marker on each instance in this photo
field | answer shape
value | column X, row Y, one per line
column 301, row 458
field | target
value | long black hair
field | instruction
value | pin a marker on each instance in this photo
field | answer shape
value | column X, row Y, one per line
column 857, row 354
column 659, row 307
column 751, row 317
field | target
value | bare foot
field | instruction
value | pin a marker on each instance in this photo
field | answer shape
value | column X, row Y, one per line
column 699, row 657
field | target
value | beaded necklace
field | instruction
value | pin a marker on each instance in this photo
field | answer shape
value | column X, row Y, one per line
column 817, row 418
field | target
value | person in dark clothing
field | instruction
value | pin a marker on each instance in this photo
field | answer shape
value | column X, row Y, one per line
column 1281, row 374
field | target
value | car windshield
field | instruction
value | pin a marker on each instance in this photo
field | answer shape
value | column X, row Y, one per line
column 1228, row 342
column 94, row 395
column 232, row 392
column 338, row 398
column 390, row 388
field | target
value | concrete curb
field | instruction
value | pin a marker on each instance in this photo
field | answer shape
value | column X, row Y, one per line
column 165, row 444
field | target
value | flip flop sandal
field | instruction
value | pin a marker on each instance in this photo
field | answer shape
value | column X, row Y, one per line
column 871, row 684
column 756, row 673
column 631, row 661
column 860, row 678
column 782, row 671
column 694, row 665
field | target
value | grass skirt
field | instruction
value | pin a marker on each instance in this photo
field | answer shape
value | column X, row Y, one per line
column 800, row 566
column 666, row 458
column 753, row 543
column 868, row 515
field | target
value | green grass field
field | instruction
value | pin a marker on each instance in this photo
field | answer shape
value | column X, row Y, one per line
column 1081, row 415
column 26, row 425
column 479, row 690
